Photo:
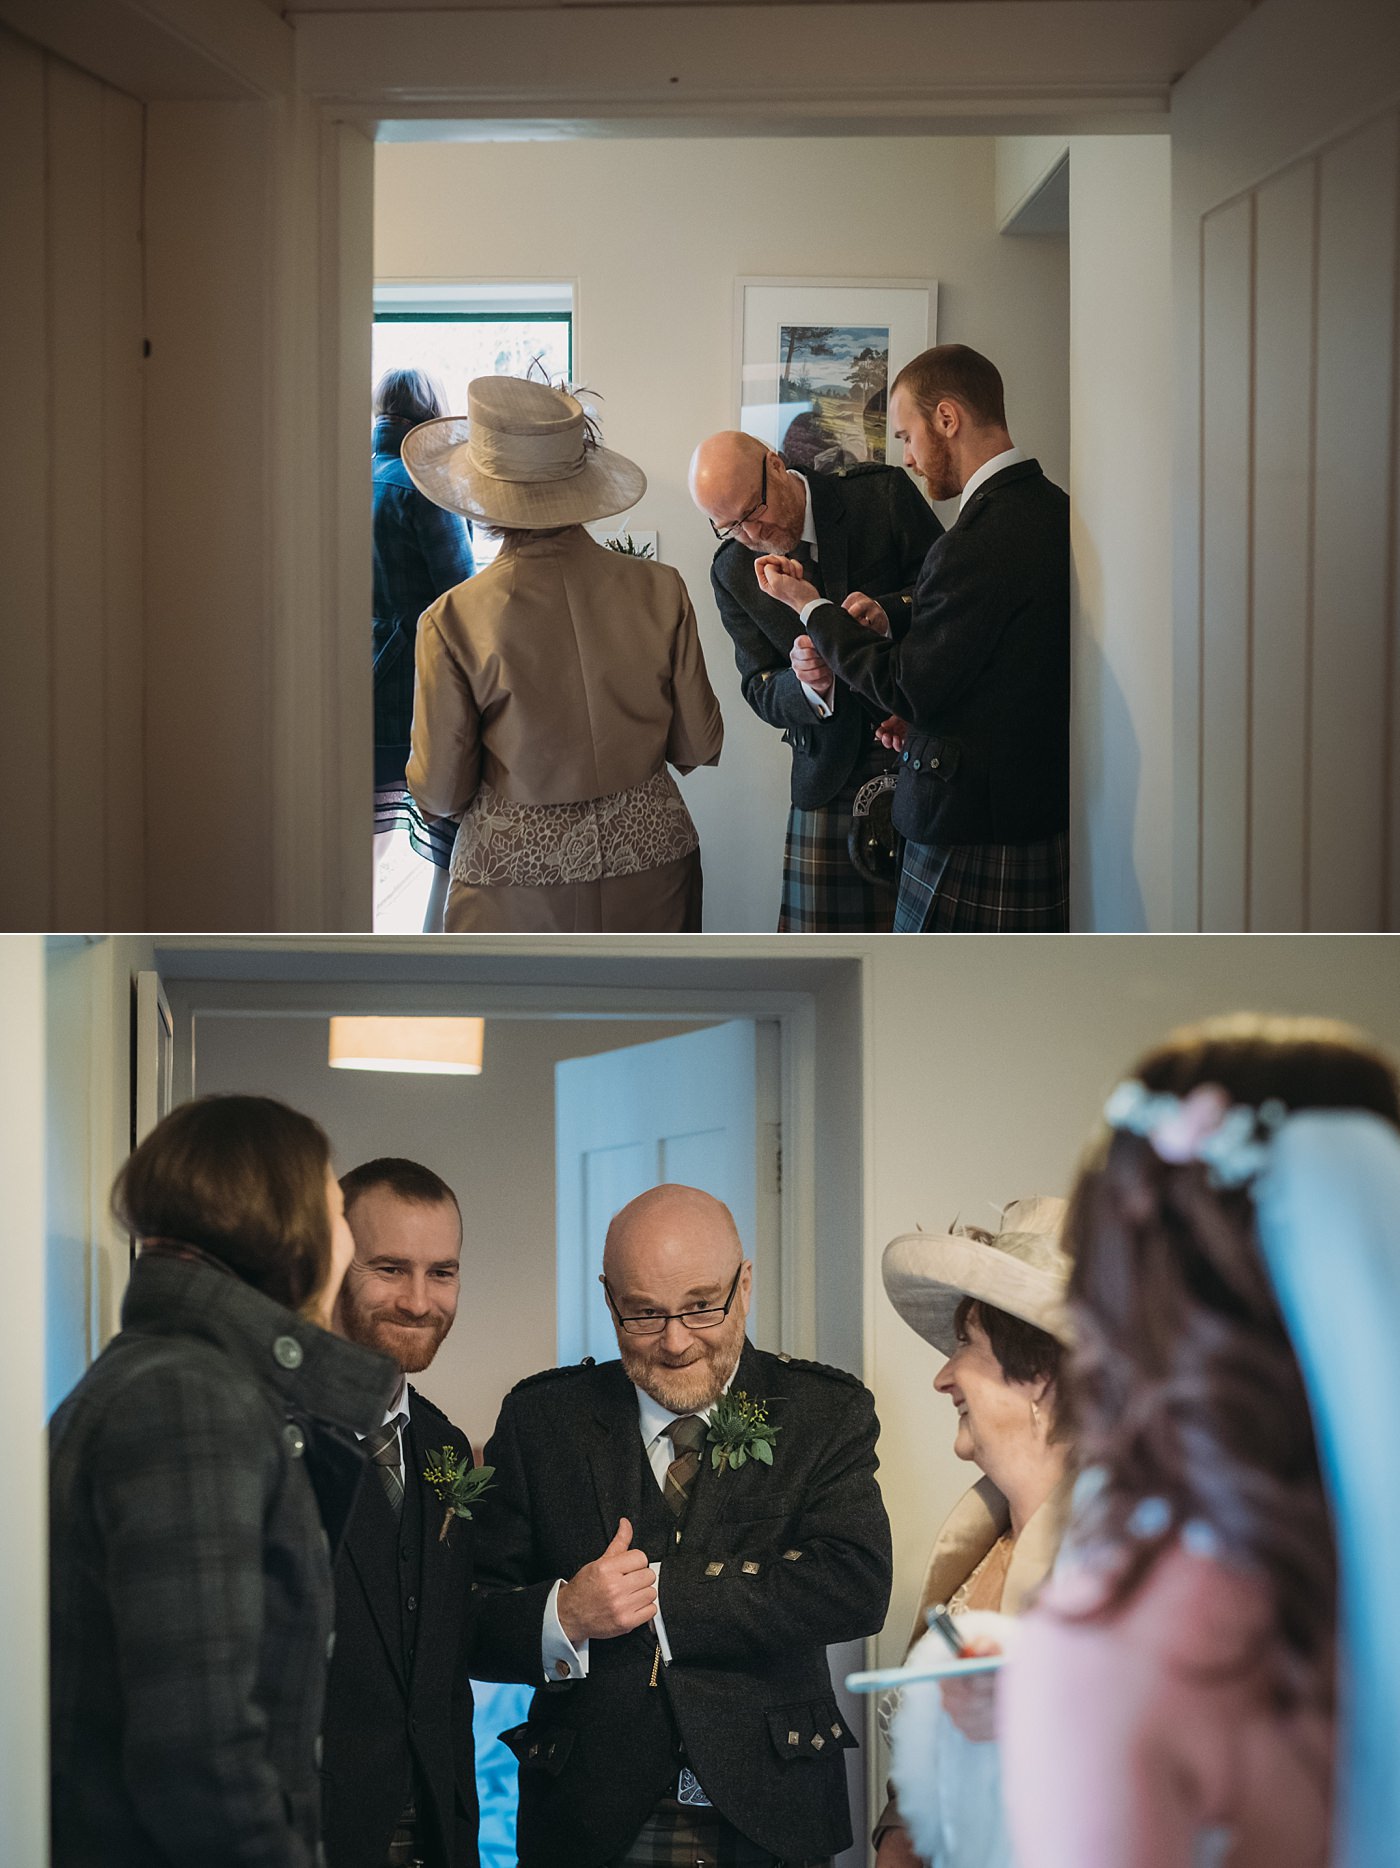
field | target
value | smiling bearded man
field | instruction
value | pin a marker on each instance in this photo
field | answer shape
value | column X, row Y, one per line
column 397, row 1778
column 693, row 1717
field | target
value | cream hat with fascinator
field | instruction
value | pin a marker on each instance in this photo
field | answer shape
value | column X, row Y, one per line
column 523, row 455
column 1019, row 1268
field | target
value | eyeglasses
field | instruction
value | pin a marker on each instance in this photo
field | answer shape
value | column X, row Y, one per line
column 652, row 1323
column 728, row 531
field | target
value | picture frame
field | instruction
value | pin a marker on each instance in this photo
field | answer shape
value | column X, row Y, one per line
column 814, row 358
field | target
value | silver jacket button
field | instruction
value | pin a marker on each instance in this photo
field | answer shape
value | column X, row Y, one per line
column 294, row 1439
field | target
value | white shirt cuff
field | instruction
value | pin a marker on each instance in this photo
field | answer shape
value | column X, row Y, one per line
column 560, row 1658
column 821, row 706
column 657, row 1623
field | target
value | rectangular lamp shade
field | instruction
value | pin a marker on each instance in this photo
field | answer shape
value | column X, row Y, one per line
column 425, row 1046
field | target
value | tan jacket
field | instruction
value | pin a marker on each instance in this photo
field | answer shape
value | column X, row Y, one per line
column 562, row 672
column 974, row 1524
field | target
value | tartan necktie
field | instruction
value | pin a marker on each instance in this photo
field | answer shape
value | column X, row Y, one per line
column 687, row 1437
column 386, row 1456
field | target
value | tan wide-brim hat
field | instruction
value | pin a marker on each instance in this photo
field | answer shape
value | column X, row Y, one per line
column 522, row 456
column 1020, row 1269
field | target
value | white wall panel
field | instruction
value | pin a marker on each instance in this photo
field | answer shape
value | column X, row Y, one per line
column 1355, row 464
column 1286, row 498
column 25, row 728
column 1281, row 547
column 123, row 510
column 76, row 317
column 70, row 713
column 1227, row 352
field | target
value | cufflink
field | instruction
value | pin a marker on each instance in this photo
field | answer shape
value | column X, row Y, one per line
column 561, row 1667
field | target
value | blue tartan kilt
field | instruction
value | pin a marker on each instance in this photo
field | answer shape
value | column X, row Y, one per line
column 822, row 892
column 985, row 888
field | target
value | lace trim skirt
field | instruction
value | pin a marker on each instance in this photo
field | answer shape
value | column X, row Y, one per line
column 505, row 844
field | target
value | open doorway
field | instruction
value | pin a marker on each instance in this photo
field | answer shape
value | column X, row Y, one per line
column 753, row 1045
column 568, row 1120
column 440, row 334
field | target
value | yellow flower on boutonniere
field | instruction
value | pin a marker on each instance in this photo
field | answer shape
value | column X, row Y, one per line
column 740, row 1431
column 457, row 1483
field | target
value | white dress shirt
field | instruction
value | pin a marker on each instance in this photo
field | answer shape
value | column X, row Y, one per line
column 821, row 706
column 562, row 1660
column 1007, row 458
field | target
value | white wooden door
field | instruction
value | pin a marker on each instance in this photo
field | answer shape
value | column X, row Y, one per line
column 702, row 1109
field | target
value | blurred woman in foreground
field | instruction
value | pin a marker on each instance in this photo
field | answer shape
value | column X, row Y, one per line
column 201, row 1472
column 1173, row 1699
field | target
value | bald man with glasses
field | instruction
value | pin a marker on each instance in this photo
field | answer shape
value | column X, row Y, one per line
column 696, row 1522
column 861, row 528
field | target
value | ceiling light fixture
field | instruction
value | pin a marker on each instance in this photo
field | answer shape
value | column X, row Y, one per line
column 422, row 1046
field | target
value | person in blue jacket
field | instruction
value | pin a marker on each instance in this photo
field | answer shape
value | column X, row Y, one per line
column 420, row 551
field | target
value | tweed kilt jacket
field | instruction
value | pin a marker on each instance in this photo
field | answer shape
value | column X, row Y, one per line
column 772, row 1565
column 420, row 551
column 981, row 672
column 874, row 529
column 201, row 1472
column 399, row 1699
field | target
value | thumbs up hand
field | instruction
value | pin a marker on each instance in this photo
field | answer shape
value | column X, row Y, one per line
column 612, row 1595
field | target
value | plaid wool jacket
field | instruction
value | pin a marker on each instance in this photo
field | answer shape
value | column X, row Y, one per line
column 200, row 1473
column 420, row 551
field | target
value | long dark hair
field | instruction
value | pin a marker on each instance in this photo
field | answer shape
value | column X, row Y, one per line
column 1183, row 1385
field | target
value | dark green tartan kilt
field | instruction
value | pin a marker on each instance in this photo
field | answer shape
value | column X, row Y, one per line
column 822, row 893
column 679, row 1835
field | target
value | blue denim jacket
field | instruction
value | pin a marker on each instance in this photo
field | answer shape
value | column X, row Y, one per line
column 419, row 552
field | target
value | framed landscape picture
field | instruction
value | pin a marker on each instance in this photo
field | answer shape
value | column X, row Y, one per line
column 815, row 359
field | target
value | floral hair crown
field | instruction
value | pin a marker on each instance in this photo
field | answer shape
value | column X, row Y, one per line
column 1230, row 1140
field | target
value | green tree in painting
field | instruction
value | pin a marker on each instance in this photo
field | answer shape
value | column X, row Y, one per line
column 814, row 339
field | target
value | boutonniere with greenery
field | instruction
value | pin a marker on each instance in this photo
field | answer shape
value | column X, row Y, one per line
column 740, row 1431
column 457, row 1483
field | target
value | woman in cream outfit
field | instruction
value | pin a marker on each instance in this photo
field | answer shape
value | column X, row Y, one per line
column 554, row 689
column 993, row 1304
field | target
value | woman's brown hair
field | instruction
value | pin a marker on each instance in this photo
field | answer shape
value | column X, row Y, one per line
column 242, row 1178
column 1183, row 1385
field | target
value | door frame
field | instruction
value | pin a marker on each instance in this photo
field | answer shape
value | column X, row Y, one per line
column 823, row 1199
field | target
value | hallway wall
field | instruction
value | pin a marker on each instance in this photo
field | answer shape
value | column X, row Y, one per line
column 24, row 1725
column 490, row 1137
column 1121, row 401
column 1027, row 1054
column 655, row 234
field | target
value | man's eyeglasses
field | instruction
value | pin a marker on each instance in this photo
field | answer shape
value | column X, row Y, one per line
column 728, row 531
column 653, row 1322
